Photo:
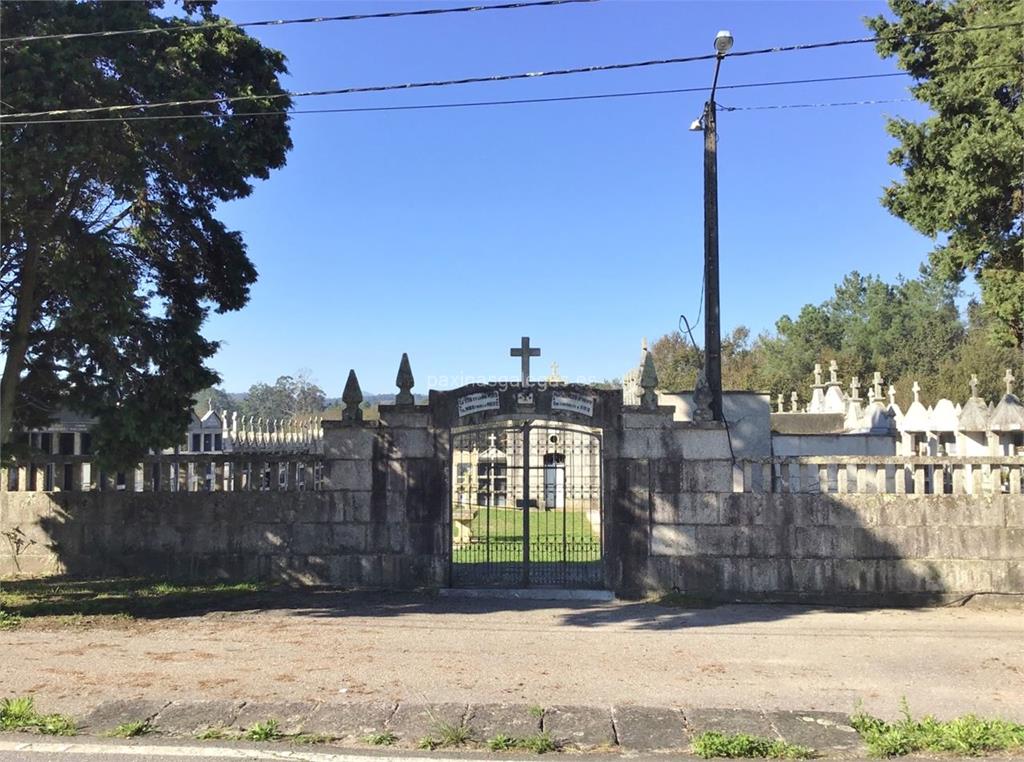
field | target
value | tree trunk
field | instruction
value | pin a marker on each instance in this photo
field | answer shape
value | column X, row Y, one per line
column 17, row 347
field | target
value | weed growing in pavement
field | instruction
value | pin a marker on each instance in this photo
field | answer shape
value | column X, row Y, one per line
column 966, row 736
column 735, row 745
column 387, row 738
column 20, row 714
column 539, row 743
column 263, row 731
column 131, row 729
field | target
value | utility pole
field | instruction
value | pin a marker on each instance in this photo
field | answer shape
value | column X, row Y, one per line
column 712, row 311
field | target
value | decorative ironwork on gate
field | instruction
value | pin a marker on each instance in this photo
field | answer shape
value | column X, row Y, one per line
column 526, row 506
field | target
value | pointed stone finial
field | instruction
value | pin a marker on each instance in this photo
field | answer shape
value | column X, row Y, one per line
column 833, row 372
column 794, row 402
column 779, row 405
column 648, row 382
column 404, row 381
column 974, row 386
column 916, row 389
column 892, row 394
column 352, row 397
column 855, row 388
column 817, row 374
column 876, row 385
column 1009, row 379
column 643, row 345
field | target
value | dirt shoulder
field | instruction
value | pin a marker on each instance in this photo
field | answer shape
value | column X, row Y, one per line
column 348, row 647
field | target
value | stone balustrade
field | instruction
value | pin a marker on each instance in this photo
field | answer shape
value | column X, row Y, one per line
column 189, row 472
column 878, row 475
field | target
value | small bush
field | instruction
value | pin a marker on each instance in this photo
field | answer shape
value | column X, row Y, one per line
column 263, row 731
column 965, row 736
column 737, row 745
column 428, row 743
column 131, row 729
column 387, row 738
column 8, row 621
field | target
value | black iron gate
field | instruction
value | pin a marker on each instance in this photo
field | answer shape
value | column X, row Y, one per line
column 526, row 506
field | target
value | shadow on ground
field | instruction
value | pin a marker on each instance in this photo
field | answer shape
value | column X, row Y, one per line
column 153, row 600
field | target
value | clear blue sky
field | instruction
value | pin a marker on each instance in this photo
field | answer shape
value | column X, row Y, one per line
column 448, row 234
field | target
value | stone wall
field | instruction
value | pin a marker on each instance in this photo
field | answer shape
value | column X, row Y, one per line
column 705, row 540
column 680, row 512
column 379, row 519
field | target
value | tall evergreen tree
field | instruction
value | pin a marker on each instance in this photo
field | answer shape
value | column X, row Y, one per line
column 111, row 251
column 963, row 168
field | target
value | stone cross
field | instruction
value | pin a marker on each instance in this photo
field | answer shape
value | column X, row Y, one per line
column 916, row 389
column 974, row 386
column 892, row 394
column 833, row 372
column 876, row 383
column 794, row 402
column 1009, row 379
column 525, row 351
column 817, row 374
column 872, row 396
column 780, row 407
column 493, row 439
column 855, row 388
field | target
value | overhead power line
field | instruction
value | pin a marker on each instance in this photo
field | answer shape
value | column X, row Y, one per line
column 224, row 23
column 776, row 106
column 471, row 104
column 448, row 82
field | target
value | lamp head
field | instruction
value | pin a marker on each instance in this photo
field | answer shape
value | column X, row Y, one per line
column 697, row 124
column 723, row 42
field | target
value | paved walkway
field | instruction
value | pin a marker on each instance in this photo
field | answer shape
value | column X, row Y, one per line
column 603, row 673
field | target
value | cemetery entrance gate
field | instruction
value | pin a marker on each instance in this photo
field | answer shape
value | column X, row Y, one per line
column 526, row 505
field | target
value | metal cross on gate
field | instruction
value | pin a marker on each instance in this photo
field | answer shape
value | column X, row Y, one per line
column 525, row 351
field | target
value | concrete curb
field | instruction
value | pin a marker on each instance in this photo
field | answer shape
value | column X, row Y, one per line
column 626, row 728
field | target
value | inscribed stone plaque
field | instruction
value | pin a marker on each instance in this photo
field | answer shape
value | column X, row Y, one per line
column 477, row 403
column 573, row 403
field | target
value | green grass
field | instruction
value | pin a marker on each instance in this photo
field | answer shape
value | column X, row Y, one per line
column 736, row 745
column 20, row 714
column 310, row 739
column 263, row 731
column 74, row 601
column 539, row 743
column 214, row 733
column 502, row 530
column 387, row 738
column 447, row 736
column 9, row 621
column 132, row 729
column 965, row 736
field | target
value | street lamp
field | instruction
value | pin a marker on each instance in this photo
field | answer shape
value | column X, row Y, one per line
column 712, row 317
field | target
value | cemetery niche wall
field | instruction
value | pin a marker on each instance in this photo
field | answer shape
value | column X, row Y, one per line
column 554, row 484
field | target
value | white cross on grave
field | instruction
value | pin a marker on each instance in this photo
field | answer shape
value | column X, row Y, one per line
column 525, row 351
